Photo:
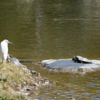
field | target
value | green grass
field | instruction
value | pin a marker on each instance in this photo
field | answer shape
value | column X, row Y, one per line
column 11, row 77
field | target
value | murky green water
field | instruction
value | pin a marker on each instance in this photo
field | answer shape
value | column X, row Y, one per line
column 53, row 29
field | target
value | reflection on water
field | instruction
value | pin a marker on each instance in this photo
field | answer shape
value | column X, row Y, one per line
column 42, row 29
column 81, row 86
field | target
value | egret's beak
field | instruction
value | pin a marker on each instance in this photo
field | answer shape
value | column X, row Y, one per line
column 11, row 42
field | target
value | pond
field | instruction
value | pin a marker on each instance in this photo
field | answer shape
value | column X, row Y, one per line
column 55, row 29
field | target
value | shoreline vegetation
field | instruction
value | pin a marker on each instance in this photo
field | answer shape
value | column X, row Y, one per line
column 18, row 82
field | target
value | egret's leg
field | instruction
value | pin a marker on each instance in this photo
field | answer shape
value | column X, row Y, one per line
column 5, row 57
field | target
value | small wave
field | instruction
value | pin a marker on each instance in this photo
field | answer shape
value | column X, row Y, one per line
column 79, row 19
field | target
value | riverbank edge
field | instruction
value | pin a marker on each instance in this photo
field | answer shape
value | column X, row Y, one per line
column 17, row 82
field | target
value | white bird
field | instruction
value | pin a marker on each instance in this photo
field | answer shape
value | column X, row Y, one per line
column 4, row 49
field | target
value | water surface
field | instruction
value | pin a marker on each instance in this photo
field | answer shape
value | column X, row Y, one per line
column 42, row 29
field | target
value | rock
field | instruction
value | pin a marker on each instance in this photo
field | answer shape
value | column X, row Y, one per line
column 14, row 60
column 68, row 65
column 33, row 72
column 46, row 82
column 71, row 98
column 36, row 84
column 23, row 93
column 27, row 88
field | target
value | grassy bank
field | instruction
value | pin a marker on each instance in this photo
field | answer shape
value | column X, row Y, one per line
column 12, row 79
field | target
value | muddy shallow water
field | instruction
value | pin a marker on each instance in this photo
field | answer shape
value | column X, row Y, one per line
column 42, row 29
column 81, row 86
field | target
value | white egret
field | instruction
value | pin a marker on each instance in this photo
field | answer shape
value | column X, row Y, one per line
column 4, row 49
